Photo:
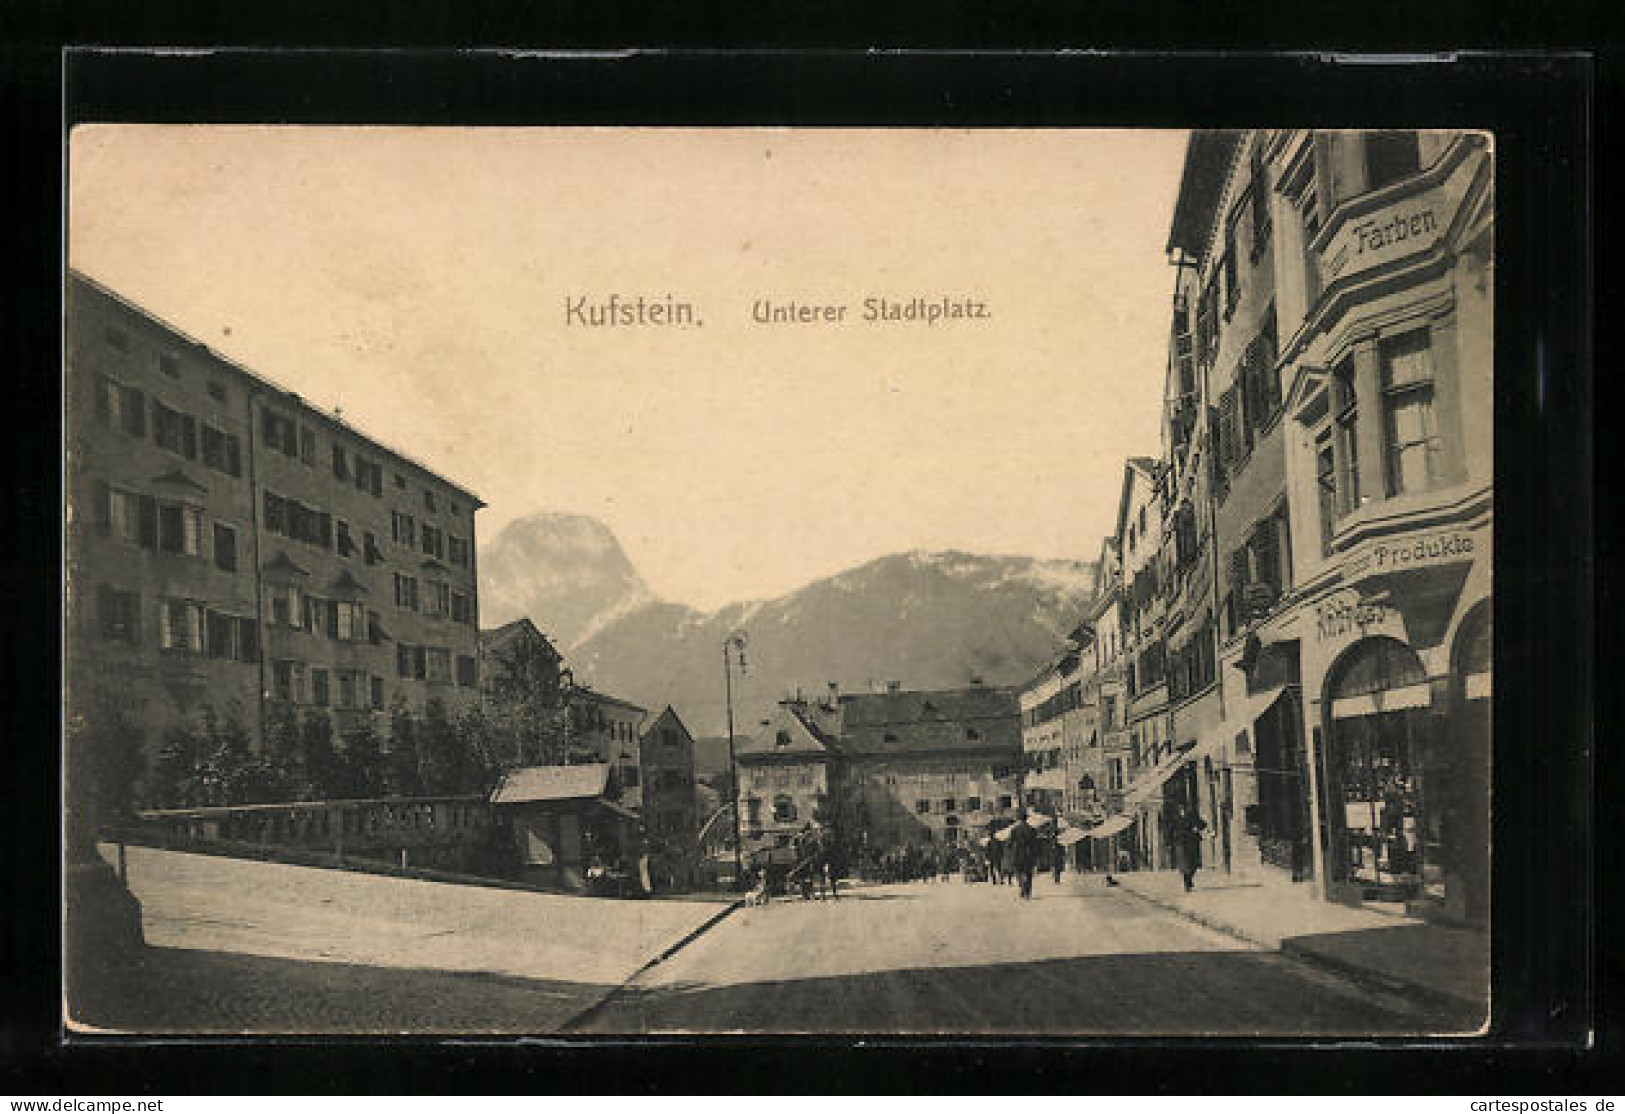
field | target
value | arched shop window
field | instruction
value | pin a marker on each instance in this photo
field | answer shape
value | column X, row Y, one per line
column 1379, row 759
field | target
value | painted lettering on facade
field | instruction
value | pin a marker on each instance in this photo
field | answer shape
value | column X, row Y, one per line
column 1366, row 242
column 1337, row 618
column 1410, row 553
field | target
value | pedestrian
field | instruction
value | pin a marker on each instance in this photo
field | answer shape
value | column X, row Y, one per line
column 834, row 866
column 1057, row 856
column 1187, row 836
column 995, row 859
column 1024, row 853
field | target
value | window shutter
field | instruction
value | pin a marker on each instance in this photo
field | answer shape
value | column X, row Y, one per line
column 1227, row 428
column 147, row 521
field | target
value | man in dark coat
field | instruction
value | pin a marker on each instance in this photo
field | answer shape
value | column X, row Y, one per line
column 995, row 859
column 1187, row 837
column 1024, row 853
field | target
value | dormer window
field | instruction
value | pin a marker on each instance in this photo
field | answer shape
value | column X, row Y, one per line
column 782, row 739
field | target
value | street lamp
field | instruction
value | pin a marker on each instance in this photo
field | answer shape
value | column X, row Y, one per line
column 734, row 644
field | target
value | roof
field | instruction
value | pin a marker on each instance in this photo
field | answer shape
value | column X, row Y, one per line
column 804, row 739
column 976, row 718
column 1207, row 162
column 526, row 784
column 270, row 386
column 668, row 714
column 500, row 639
column 593, row 696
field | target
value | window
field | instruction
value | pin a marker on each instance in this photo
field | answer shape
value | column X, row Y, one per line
column 222, row 451
column 341, row 463
column 922, row 807
column 1004, row 801
column 377, row 692
column 369, row 477
column 668, row 736
column 439, row 598
column 630, row 777
column 370, row 550
column 400, row 482
column 180, row 529
column 1232, row 281
column 343, row 541
column 307, row 445
column 116, row 339
column 438, row 666
column 403, row 528
column 225, row 547
column 120, row 614
column 1410, row 430
column 406, row 591
column 180, row 626
column 279, row 433
column 174, row 431
column 428, row 501
column 169, row 364
column 1260, row 200
column 950, row 805
column 217, row 391
column 973, row 804
column 462, row 608
column 288, row 681
column 288, row 605
column 457, row 550
column 1326, row 482
column 468, row 671
column 349, row 621
column 433, row 541
column 1390, row 156
column 121, row 407
column 318, row 687
column 753, row 812
column 349, row 688
column 1346, row 412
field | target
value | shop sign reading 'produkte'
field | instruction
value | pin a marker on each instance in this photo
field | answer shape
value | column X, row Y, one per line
column 1414, row 551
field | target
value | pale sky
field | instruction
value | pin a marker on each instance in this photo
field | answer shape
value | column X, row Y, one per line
column 417, row 277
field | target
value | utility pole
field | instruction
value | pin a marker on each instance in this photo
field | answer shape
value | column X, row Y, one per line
column 734, row 642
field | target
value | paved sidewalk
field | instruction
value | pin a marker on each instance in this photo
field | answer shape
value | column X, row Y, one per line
column 1443, row 963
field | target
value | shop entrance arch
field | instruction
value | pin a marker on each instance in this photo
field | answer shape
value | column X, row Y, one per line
column 1466, row 850
column 1383, row 840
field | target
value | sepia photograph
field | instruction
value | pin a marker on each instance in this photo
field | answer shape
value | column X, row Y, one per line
column 607, row 582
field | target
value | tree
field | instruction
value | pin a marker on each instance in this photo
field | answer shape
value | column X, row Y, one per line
column 401, row 778
column 438, row 751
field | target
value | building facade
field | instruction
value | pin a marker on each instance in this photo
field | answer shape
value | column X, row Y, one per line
column 887, row 770
column 1334, row 310
column 670, row 804
column 231, row 547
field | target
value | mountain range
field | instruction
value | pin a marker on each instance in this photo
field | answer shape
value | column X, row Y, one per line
column 923, row 619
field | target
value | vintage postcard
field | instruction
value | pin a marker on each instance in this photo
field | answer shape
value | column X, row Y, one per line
column 618, row 581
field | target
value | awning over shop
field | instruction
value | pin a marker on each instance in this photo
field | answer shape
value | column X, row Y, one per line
column 1150, row 783
column 1071, row 836
column 1110, row 827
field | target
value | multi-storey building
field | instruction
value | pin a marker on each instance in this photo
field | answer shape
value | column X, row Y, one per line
column 670, row 805
column 1145, row 674
column 232, row 547
column 1342, row 284
column 605, row 728
column 887, row 769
